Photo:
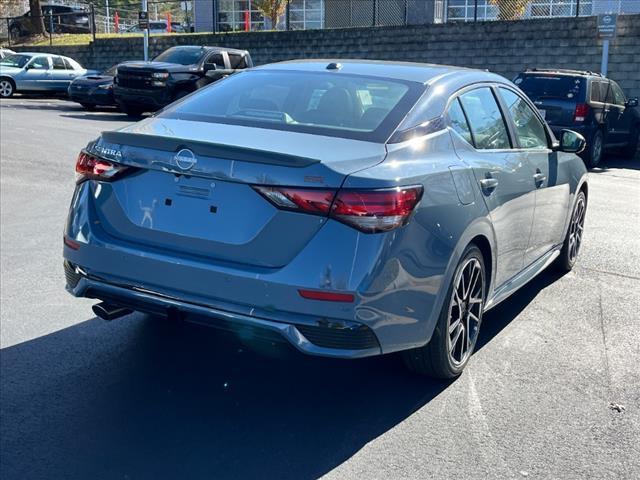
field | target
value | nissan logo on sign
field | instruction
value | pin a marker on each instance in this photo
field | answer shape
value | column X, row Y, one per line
column 185, row 159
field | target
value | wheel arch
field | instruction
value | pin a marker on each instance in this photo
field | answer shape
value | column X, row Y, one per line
column 11, row 80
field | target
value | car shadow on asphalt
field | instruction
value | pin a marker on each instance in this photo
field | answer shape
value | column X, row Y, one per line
column 142, row 397
column 613, row 162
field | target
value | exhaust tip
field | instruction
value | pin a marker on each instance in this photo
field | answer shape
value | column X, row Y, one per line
column 109, row 312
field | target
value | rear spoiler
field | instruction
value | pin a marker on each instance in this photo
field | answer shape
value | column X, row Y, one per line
column 206, row 149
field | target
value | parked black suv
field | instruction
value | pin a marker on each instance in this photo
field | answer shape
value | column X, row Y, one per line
column 588, row 103
column 148, row 86
column 63, row 19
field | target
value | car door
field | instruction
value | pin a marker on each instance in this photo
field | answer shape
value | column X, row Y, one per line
column 36, row 73
column 503, row 176
column 60, row 77
column 619, row 116
column 552, row 195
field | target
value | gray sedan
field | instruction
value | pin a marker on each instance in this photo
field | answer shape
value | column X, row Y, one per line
column 37, row 72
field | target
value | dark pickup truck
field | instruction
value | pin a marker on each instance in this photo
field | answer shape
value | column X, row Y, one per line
column 149, row 86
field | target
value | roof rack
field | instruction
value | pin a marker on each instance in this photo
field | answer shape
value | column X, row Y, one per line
column 565, row 70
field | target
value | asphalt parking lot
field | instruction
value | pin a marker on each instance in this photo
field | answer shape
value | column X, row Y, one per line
column 552, row 392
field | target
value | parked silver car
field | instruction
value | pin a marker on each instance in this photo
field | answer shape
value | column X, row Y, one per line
column 37, row 72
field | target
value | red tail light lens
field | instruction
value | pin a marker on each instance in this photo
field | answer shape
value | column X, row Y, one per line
column 90, row 167
column 326, row 296
column 582, row 110
column 376, row 210
column 367, row 210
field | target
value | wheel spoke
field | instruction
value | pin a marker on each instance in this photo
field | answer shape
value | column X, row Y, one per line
column 453, row 326
column 454, row 342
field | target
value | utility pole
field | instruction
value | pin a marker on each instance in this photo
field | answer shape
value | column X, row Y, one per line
column 146, row 32
column 108, row 17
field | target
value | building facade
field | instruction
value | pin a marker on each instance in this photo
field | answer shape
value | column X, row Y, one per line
column 241, row 15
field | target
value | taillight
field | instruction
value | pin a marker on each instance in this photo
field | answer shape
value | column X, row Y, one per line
column 369, row 211
column 90, row 167
column 376, row 210
column 582, row 110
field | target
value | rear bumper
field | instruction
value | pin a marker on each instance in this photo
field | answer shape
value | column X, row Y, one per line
column 339, row 340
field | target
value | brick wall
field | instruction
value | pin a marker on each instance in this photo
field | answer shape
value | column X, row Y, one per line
column 502, row 47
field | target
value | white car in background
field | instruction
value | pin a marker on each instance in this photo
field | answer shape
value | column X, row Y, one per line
column 5, row 52
column 37, row 72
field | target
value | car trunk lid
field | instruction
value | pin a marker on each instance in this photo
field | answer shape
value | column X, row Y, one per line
column 197, row 198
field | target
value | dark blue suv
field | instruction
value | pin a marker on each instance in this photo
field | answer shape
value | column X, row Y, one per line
column 587, row 103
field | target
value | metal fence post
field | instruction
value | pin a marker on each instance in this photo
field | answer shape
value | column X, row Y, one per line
column 92, row 24
column 351, row 13
column 51, row 27
column 406, row 12
column 577, row 8
column 475, row 11
column 375, row 12
column 288, row 17
column 8, row 33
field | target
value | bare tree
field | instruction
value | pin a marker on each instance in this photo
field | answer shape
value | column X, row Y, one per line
column 510, row 9
column 37, row 22
column 272, row 9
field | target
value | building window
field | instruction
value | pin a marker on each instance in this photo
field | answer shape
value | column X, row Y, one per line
column 234, row 15
column 464, row 10
column 306, row 14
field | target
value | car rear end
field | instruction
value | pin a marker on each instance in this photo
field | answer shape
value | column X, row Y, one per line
column 251, row 228
column 561, row 98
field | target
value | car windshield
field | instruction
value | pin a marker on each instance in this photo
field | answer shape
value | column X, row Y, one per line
column 183, row 55
column 16, row 60
column 322, row 103
column 551, row 86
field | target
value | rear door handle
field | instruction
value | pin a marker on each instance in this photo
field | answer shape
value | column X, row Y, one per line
column 488, row 185
column 539, row 178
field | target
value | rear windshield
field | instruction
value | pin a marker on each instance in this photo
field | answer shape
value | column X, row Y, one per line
column 322, row 103
column 15, row 61
column 181, row 55
column 563, row 87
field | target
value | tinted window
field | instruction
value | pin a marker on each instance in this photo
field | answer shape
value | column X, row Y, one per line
column 17, row 60
column 313, row 102
column 529, row 130
column 40, row 63
column 58, row 63
column 552, row 86
column 485, row 119
column 598, row 92
column 618, row 95
column 237, row 61
column 215, row 59
column 181, row 55
column 458, row 121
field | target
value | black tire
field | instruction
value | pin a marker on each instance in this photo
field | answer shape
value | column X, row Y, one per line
column 88, row 106
column 632, row 147
column 595, row 150
column 570, row 250
column 7, row 87
column 437, row 358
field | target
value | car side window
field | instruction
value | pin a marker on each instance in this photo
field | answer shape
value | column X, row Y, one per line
column 618, row 94
column 485, row 119
column 215, row 59
column 598, row 92
column 458, row 121
column 237, row 61
column 58, row 63
column 529, row 129
column 67, row 64
column 40, row 63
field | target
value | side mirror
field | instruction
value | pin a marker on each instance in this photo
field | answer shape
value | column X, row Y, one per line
column 28, row 67
column 571, row 142
column 632, row 102
column 208, row 67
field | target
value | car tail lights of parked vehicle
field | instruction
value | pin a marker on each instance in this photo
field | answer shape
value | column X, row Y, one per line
column 582, row 110
column 369, row 211
column 90, row 167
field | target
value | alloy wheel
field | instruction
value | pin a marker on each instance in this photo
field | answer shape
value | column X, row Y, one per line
column 576, row 229
column 6, row 89
column 465, row 311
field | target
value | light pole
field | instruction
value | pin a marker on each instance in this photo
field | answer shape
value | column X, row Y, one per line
column 146, row 32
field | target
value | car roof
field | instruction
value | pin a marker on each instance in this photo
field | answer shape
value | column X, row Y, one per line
column 563, row 71
column 409, row 71
column 213, row 48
